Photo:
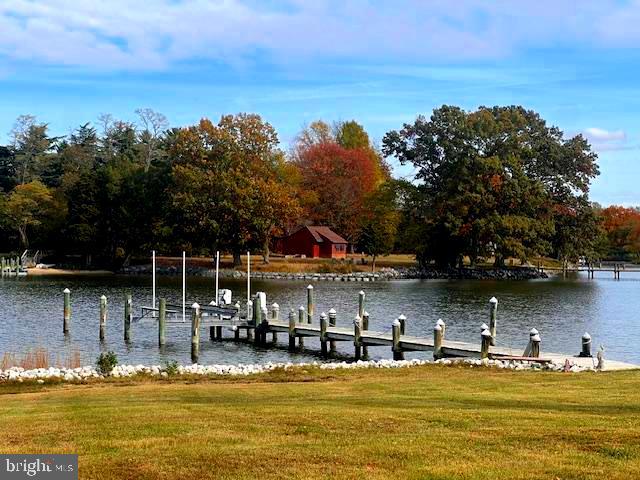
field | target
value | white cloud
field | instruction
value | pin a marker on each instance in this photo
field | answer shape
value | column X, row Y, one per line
column 601, row 135
column 121, row 34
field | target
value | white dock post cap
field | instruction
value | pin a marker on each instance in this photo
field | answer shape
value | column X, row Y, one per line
column 535, row 338
column 356, row 321
column 365, row 314
column 486, row 333
column 309, row 287
column 213, row 303
column 493, row 300
column 234, row 328
column 533, row 332
column 301, row 309
column 103, row 297
column 275, row 306
column 440, row 322
column 484, row 327
column 586, row 336
column 195, row 306
column 361, row 292
column 396, row 323
column 402, row 317
column 437, row 328
column 332, row 311
column 323, row 315
column 66, row 290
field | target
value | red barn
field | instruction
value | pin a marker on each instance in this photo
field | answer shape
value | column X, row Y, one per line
column 313, row 242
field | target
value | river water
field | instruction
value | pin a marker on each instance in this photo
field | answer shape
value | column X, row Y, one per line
column 561, row 309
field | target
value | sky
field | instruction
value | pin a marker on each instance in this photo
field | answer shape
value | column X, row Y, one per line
column 379, row 62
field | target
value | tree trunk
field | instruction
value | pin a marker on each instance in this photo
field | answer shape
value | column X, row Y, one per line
column 22, row 230
column 373, row 263
column 237, row 259
column 265, row 251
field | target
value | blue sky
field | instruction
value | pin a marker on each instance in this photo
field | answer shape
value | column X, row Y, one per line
column 379, row 62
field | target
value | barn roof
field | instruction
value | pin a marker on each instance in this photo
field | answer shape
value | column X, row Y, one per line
column 322, row 233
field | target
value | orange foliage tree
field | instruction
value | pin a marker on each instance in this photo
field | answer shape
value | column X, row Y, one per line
column 622, row 226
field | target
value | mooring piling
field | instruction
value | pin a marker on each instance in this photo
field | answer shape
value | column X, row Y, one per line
column 485, row 342
column 357, row 337
column 493, row 305
column 365, row 326
column 292, row 330
column 333, row 316
column 403, row 324
column 66, row 317
column 535, row 345
column 249, row 316
column 443, row 326
column 323, row 333
column 586, row 345
column 195, row 332
column 264, row 325
column 275, row 316
column 310, row 304
column 103, row 317
column 437, row 341
column 162, row 322
column 398, row 354
column 532, row 333
column 301, row 319
column 128, row 317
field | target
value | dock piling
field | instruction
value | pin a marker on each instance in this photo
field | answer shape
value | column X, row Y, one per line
column 357, row 337
column 162, row 322
column 535, row 345
column 586, row 345
column 128, row 317
column 403, row 324
column 292, row 331
column 195, row 332
column 301, row 319
column 365, row 326
column 443, row 326
column 485, row 342
column 275, row 316
column 437, row 341
column 249, row 317
column 310, row 304
column 398, row 354
column 103, row 317
column 493, row 303
column 323, row 333
column 66, row 317
column 333, row 315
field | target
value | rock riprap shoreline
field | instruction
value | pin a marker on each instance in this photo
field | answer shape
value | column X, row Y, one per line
column 515, row 273
column 82, row 374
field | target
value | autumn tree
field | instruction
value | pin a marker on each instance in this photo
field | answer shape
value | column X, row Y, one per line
column 493, row 182
column 227, row 189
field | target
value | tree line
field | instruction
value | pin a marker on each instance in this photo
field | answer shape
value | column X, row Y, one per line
column 494, row 183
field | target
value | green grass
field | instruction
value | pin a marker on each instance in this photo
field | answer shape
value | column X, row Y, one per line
column 428, row 422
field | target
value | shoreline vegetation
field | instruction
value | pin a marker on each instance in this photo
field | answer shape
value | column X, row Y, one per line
column 432, row 421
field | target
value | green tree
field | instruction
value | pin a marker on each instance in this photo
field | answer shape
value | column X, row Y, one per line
column 380, row 223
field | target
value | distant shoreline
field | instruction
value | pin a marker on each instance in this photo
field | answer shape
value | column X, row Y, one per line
column 61, row 272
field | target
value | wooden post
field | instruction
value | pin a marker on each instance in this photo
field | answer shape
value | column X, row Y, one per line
column 535, row 346
column 292, row 331
column 398, row 354
column 361, row 298
column 332, row 323
column 236, row 332
column 128, row 317
column 249, row 317
column 257, row 321
column 357, row 337
column 437, row 342
column 403, row 324
column 323, row 333
column 66, row 317
column 103, row 317
column 443, row 326
column 195, row 332
column 264, row 325
column 493, row 307
column 301, row 319
column 212, row 333
column 162, row 322
column 365, row 326
column 275, row 316
column 218, row 332
column 485, row 338
column 310, row 304
column 586, row 345
column 532, row 333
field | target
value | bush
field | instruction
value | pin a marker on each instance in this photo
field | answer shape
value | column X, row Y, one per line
column 171, row 367
column 106, row 362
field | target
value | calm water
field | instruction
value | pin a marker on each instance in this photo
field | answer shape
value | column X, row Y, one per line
column 562, row 310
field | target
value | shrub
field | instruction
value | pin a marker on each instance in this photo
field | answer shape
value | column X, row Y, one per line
column 106, row 362
column 171, row 367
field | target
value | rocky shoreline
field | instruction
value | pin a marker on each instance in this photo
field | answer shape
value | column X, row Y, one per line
column 412, row 273
column 84, row 374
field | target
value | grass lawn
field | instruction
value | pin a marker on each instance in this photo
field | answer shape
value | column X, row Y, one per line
column 426, row 422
